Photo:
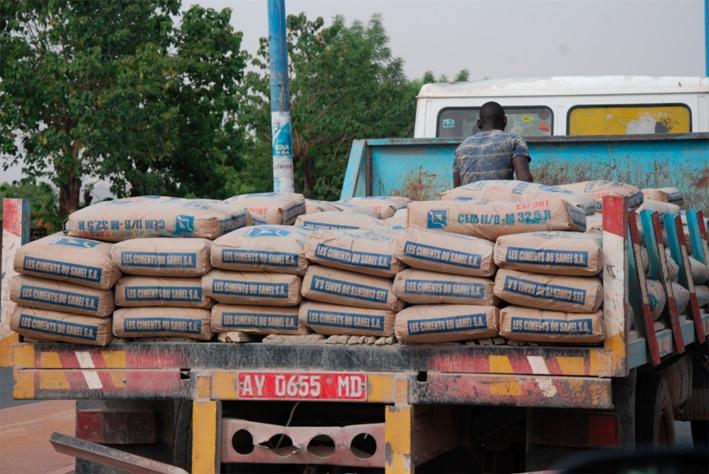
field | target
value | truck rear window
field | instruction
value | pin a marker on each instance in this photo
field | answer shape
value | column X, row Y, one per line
column 629, row 119
column 460, row 122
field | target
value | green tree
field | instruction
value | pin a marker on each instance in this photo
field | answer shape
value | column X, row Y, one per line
column 345, row 84
column 117, row 90
column 43, row 201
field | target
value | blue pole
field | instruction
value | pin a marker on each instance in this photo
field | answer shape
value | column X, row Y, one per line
column 280, row 114
column 706, row 37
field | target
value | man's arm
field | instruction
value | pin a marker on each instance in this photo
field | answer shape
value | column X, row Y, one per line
column 521, row 166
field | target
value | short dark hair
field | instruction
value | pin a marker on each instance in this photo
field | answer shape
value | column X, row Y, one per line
column 493, row 114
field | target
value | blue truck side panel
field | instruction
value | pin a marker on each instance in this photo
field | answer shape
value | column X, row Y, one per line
column 421, row 168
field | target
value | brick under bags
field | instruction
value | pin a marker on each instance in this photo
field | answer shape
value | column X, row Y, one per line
column 64, row 297
column 192, row 323
column 262, row 248
column 555, row 253
column 163, row 256
column 46, row 325
column 256, row 319
column 58, row 257
column 445, row 323
column 155, row 216
column 139, row 291
column 527, row 324
column 490, row 220
column 558, row 293
column 424, row 287
column 328, row 285
column 330, row 319
column 270, row 208
column 267, row 289
column 445, row 252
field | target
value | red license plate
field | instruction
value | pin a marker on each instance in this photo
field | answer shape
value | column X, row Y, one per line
column 346, row 386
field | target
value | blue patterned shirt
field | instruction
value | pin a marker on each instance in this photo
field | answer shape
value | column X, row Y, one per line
column 488, row 155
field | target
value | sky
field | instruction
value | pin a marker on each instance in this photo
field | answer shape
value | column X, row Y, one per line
column 510, row 38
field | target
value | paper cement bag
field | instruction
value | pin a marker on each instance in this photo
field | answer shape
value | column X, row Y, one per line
column 445, row 252
column 263, row 289
column 163, row 256
column 681, row 296
column 313, row 206
column 659, row 207
column 270, row 208
column 594, row 223
column 139, row 291
column 424, row 287
column 558, row 293
column 330, row 319
column 47, row 325
column 362, row 251
column 383, row 206
column 192, row 323
column 155, row 216
column 63, row 297
column 554, row 253
column 526, row 324
column 337, row 220
column 490, row 220
column 702, row 292
column 699, row 271
column 599, row 189
column 671, row 195
column 398, row 220
column 58, row 257
column 445, row 323
column 350, row 208
column 510, row 190
column 328, row 285
column 657, row 299
column 264, row 248
column 256, row 319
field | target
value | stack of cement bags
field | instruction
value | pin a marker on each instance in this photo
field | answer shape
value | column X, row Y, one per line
column 64, row 290
column 160, row 294
column 600, row 189
column 550, row 280
column 256, row 281
column 270, row 208
column 448, row 284
column 372, row 212
column 350, row 291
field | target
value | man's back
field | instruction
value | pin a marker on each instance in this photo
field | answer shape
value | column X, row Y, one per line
column 488, row 155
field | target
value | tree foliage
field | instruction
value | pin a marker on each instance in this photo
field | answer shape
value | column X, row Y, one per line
column 117, row 90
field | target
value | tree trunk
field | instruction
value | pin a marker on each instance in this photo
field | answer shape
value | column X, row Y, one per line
column 69, row 194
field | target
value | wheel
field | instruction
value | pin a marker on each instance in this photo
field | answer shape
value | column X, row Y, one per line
column 700, row 434
column 654, row 419
column 182, row 450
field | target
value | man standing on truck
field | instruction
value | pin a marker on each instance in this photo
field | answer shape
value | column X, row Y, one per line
column 491, row 153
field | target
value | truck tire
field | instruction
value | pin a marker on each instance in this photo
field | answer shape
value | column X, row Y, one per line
column 654, row 419
column 182, row 450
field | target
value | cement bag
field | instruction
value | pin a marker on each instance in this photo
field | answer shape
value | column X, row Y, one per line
column 558, row 293
column 594, row 223
column 270, row 208
column 398, row 220
column 526, row 324
column 702, row 292
column 657, row 299
column 256, row 319
column 361, row 251
column 46, row 325
column 554, row 253
column 337, row 220
column 445, row 323
column 328, row 285
column 599, row 189
column 445, row 252
column 313, row 206
column 424, row 287
column 264, row 289
column 349, row 208
column 672, row 267
column 163, row 256
column 490, row 220
column 681, row 296
column 659, row 207
column 699, row 271
column 383, row 206
column 64, row 297
column 155, row 216
column 510, row 190
column 139, row 291
column 192, row 323
column 330, row 319
column 58, row 257
column 262, row 248
column 672, row 195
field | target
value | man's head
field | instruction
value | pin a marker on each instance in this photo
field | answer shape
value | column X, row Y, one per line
column 492, row 117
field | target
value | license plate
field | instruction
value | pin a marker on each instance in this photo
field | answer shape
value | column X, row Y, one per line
column 346, row 386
